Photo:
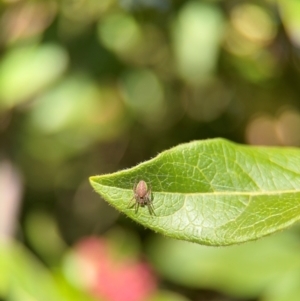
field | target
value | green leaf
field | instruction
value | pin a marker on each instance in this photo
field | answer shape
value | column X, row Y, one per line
column 212, row 192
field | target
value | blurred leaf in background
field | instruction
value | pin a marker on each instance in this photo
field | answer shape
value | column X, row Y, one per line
column 25, row 71
column 264, row 268
column 197, row 34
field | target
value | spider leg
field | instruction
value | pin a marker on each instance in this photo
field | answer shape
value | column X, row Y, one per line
column 149, row 203
column 148, row 195
column 137, row 206
column 129, row 204
column 134, row 186
column 134, row 197
column 151, row 208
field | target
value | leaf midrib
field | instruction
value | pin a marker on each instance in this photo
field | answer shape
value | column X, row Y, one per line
column 221, row 193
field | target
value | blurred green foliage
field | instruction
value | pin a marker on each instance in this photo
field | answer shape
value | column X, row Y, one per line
column 89, row 87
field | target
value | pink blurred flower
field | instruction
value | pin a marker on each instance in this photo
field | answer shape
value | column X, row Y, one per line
column 114, row 280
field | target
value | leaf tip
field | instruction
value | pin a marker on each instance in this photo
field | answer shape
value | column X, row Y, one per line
column 92, row 180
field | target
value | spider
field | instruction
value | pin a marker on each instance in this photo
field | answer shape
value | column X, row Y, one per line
column 142, row 196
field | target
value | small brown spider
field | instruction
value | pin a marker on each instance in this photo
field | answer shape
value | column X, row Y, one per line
column 142, row 196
